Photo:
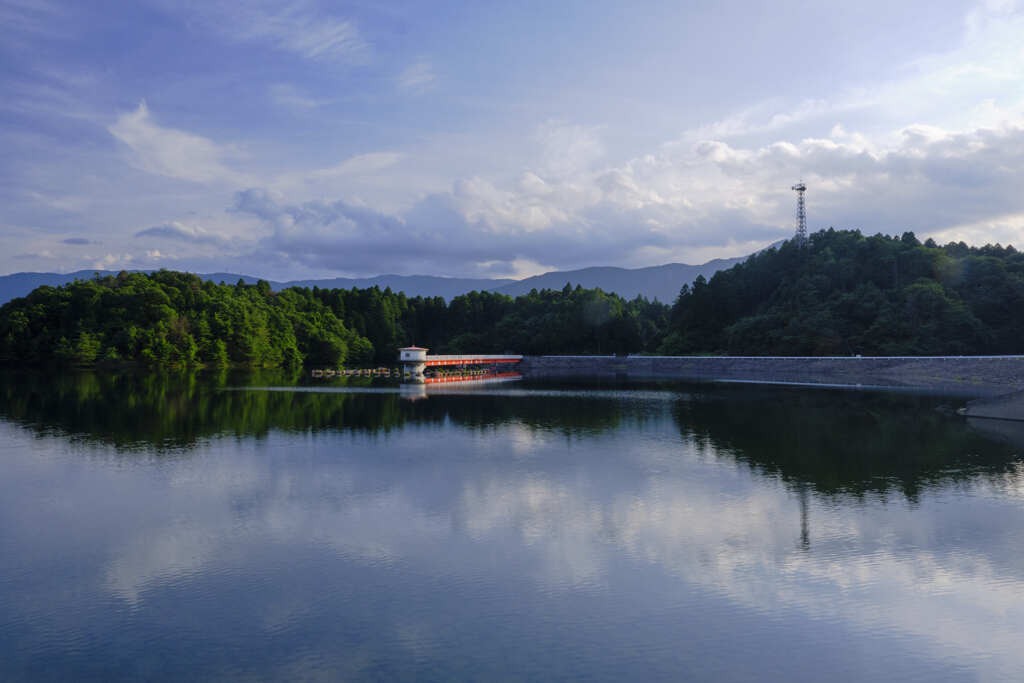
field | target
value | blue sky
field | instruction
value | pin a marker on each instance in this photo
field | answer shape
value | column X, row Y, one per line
column 312, row 139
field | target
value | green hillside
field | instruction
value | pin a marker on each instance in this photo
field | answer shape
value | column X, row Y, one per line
column 843, row 293
column 840, row 294
column 171, row 318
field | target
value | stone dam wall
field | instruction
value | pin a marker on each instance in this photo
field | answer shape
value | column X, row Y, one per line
column 969, row 376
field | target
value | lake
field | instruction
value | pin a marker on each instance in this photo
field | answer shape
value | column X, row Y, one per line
column 236, row 527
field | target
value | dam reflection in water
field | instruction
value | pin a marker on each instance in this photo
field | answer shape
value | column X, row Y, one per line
column 220, row 527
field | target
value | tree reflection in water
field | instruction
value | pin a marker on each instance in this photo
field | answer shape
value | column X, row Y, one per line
column 845, row 442
column 827, row 441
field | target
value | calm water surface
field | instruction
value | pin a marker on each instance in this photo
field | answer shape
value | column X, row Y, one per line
column 219, row 527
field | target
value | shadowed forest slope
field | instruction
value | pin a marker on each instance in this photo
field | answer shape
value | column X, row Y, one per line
column 844, row 293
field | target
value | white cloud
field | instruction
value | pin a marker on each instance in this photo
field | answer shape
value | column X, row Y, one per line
column 299, row 27
column 418, row 77
column 972, row 85
column 687, row 201
column 931, row 146
column 684, row 203
column 1006, row 229
column 170, row 152
column 290, row 97
column 44, row 254
column 347, row 178
column 51, row 93
column 568, row 149
column 769, row 117
column 312, row 36
column 113, row 261
column 361, row 163
column 22, row 20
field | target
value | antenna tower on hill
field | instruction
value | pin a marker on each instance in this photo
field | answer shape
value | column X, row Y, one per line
column 801, row 214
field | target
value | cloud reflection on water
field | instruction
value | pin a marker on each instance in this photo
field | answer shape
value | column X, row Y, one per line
column 653, row 506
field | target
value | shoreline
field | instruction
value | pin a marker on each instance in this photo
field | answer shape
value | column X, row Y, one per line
column 996, row 383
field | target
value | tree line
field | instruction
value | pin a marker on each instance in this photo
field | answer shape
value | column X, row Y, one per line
column 172, row 318
column 181, row 408
column 839, row 293
column 843, row 293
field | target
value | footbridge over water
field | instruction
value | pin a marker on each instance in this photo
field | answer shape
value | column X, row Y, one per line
column 418, row 366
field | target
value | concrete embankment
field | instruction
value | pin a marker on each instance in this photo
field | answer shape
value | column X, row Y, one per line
column 969, row 376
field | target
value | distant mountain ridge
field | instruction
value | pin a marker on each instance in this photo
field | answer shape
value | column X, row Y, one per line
column 654, row 282
column 412, row 285
column 20, row 284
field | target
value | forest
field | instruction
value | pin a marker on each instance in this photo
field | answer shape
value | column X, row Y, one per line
column 838, row 293
column 843, row 293
column 170, row 318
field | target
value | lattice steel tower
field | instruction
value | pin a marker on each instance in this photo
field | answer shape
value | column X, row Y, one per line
column 801, row 214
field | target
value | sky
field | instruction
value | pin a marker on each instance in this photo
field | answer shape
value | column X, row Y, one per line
column 484, row 139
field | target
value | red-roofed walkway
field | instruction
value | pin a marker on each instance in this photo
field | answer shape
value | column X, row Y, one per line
column 435, row 361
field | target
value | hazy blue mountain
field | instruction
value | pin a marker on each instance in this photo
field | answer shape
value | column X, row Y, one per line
column 655, row 282
column 412, row 285
column 20, row 284
column 227, row 278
